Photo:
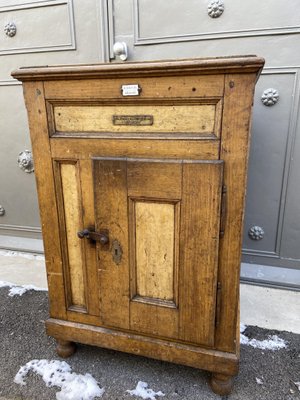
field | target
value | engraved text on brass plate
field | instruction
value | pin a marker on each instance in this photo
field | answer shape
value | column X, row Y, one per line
column 136, row 120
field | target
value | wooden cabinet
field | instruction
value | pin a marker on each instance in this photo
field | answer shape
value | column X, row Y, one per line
column 141, row 174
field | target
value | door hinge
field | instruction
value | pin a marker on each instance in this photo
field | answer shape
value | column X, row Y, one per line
column 223, row 210
column 218, row 305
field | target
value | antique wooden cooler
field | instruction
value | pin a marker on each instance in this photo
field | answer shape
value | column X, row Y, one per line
column 141, row 175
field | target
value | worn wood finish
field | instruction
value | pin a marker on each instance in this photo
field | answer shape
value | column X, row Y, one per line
column 193, row 356
column 157, row 184
column 167, row 284
column 201, row 192
column 65, row 348
column 154, row 232
column 111, row 213
column 155, row 89
column 82, row 149
column 220, row 65
column 73, row 223
column 185, row 118
column 35, row 104
column 238, row 99
column 89, row 248
column 221, row 384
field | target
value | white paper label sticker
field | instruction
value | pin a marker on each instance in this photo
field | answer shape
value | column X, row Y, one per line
column 131, row 90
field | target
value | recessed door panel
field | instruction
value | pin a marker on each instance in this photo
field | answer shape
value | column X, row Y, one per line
column 163, row 216
column 154, row 248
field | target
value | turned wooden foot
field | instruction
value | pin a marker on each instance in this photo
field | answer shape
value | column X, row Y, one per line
column 65, row 348
column 221, row 384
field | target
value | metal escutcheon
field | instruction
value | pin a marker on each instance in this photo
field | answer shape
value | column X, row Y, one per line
column 117, row 252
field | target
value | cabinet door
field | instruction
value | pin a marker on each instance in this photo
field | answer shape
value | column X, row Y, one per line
column 158, row 273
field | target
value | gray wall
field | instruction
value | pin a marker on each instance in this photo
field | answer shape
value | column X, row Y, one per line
column 85, row 31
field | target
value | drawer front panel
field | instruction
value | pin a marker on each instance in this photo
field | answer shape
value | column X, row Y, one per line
column 200, row 120
column 82, row 149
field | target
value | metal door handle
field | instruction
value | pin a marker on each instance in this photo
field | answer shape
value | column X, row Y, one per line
column 101, row 236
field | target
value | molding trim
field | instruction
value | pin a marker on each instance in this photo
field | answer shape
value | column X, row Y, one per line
column 266, row 275
column 139, row 40
column 23, row 244
column 111, row 28
column 9, row 82
column 20, row 228
column 39, row 4
column 269, row 254
column 104, row 29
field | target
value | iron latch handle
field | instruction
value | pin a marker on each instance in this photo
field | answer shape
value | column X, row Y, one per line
column 101, row 236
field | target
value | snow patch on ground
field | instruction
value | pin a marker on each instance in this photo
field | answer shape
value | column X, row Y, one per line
column 59, row 373
column 29, row 256
column 142, row 391
column 298, row 385
column 16, row 290
column 242, row 327
column 272, row 343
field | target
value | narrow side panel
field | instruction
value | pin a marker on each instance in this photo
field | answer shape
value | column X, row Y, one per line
column 37, row 117
column 111, row 214
column 73, row 223
column 199, row 242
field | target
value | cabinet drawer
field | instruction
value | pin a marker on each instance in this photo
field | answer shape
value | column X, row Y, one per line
column 175, row 119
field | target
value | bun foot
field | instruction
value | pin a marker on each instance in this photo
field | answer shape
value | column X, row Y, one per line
column 65, row 348
column 221, row 384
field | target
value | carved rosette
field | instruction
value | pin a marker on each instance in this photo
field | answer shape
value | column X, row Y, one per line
column 270, row 97
column 2, row 211
column 25, row 161
column 10, row 29
column 215, row 8
column 256, row 233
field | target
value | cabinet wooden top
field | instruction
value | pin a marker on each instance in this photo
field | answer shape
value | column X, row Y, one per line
column 198, row 66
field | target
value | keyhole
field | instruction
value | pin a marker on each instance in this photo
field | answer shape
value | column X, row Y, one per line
column 116, row 252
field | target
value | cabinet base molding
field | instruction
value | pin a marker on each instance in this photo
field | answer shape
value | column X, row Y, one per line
column 66, row 332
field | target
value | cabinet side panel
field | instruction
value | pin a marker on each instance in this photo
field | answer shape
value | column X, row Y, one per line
column 199, row 242
column 234, row 151
column 35, row 103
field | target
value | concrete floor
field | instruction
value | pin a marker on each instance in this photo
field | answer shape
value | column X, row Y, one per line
column 260, row 306
column 264, row 374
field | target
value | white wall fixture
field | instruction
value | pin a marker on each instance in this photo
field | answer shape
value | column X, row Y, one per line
column 270, row 97
column 215, row 8
column 256, row 233
column 120, row 50
column 10, row 29
column 25, row 161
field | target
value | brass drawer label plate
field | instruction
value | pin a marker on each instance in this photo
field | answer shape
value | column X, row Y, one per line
column 135, row 120
column 130, row 90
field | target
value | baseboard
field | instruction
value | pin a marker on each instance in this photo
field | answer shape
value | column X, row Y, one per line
column 23, row 244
